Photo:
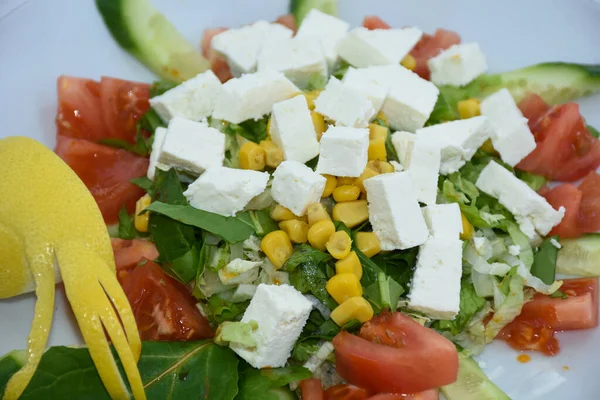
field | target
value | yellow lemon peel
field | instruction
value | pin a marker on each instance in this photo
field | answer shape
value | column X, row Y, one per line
column 50, row 223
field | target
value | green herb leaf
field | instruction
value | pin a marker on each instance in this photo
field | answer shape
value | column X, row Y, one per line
column 144, row 183
column 384, row 293
column 308, row 273
column 126, row 226
column 305, row 254
column 260, row 221
column 470, row 304
column 544, row 261
column 139, row 148
column 269, row 383
column 253, row 130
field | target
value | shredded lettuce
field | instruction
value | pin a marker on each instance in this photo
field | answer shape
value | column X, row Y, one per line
column 240, row 333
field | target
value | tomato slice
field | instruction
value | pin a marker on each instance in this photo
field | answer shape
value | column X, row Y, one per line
column 534, row 328
column 163, row 308
column 569, row 197
column 346, row 392
column 311, row 389
column 106, row 172
column 430, row 46
column 533, row 107
column 287, row 20
column 218, row 64
column 589, row 209
column 372, row 22
column 394, row 354
column 79, row 112
column 432, row 394
column 128, row 253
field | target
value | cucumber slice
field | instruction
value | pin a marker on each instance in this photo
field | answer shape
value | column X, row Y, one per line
column 9, row 364
column 472, row 383
column 146, row 34
column 301, row 7
column 580, row 256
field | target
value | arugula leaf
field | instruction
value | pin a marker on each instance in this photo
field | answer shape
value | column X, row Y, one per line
column 253, row 130
column 307, row 267
column 126, row 226
column 470, row 304
column 161, row 86
column 259, row 220
column 384, row 293
column 370, row 269
column 544, row 261
column 399, row 265
column 269, row 383
column 222, row 310
column 303, row 350
column 305, row 254
column 186, row 267
column 532, row 180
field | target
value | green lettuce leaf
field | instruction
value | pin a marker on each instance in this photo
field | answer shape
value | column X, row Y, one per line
column 536, row 182
column 236, row 332
column 470, row 304
column 269, row 383
column 544, row 261
column 253, row 130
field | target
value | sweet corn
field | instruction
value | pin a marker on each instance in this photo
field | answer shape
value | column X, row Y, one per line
column 319, row 234
column 468, row 108
column 273, row 154
column 319, row 123
column 311, row 97
column 351, row 213
column 141, row 221
column 278, row 247
column 329, row 185
column 316, row 212
column 381, row 116
column 346, row 193
column 367, row 173
column 468, row 230
column 345, row 180
column 377, row 131
column 280, row 213
column 344, row 286
column 297, row 230
column 488, row 147
column 339, row 245
column 368, row 243
column 382, row 167
column 377, row 149
column 349, row 264
column 409, row 62
column 252, row 156
column 353, row 308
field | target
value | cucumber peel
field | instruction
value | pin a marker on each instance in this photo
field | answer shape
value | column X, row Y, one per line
column 10, row 363
column 580, row 256
column 472, row 383
column 299, row 8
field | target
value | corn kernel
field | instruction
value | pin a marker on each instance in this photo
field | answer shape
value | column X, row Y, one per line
column 381, row 116
column 343, row 286
column 141, row 221
column 409, row 62
column 273, row 154
column 488, row 147
column 339, row 245
column 367, row 173
column 319, row 123
column 297, row 230
column 252, row 156
column 349, row 264
column 278, row 247
column 468, row 230
column 368, row 243
column 311, row 97
column 319, row 233
column 377, row 132
column 468, row 108
column 351, row 213
column 280, row 213
column 377, row 149
column 382, row 167
column 353, row 308
column 329, row 185
column 345, row 180
column 316, row 212
column 346, row 193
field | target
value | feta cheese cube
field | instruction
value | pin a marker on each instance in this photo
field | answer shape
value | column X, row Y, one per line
column 362, row 47
column 443, row 220
column 367, row 82
column 344, row 151
column 513, row 139
column 192, row 146
column 159, row 138
column 458, row 65
column 345, row 105
column 435, row 288
column 252, row 96
column 458, row 140
column 292, row 129
column 295, row 186
column 193, row 99
column 300, row 59
column 532, row 212
column 330, row 30
column 280, row 312
column 226, row 191
column 239, row 271
column 422, row 159
column 394, row 211
column 241, row 45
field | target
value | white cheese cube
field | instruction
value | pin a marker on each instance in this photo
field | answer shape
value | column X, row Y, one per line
column 252, row 96
column 458, row 65
column 513, row 139
column 241, row 45
column 192, row 146
column 193, row 99
column 362, row 47
column 394, row 211
column 369, row 83
column 244, row 291
column 295, row 186
column 344, row 151
column 300, row 59
column 239, row 271
column 345, row 105
column 226, row 191
column 458, row 140
column 280, row 312
column 531, row 211
column 443, row 220
column 422, row 159
column 159, row 137
column 292, row 129
column 330, row 30
column 435, row 288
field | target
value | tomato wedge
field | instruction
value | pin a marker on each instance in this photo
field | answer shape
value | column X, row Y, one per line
column 589, row 209
column 311, row 389
column 372, row 22
column 346, row 392
column 430, row 46
column 394, row 354
column 79, row 113
column 533, row 107
column 128, row 253
column 218, row 64
column 287, row 20
column 569, row 197
column 432, row 394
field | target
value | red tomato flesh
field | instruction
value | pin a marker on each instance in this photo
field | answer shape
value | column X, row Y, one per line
column 128, row 253
column 430, row 46
column 535, row 327
column 394, row 354
column 288, row 20
column 372, row 22
column 346, row 392
column 569, row 197
column 589, row 209
column 79, row 112
column 533, row 107
column 218, row 64
column 432, row 394
column 163, row 307
column 311, row 389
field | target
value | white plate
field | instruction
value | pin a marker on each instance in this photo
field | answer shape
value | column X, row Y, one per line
column 39, row 40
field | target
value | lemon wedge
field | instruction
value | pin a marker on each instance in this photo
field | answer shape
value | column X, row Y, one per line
column 51, row 228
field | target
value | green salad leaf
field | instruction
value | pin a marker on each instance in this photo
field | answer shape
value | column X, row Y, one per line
column 544, row 261
column 236, row 332
column 126, row 226
column 10, row 363
column 593, row 131
column 443, row 111
column 310, row 276
column 532, row 180
column 269, row 383
column 470, row 304
column 144, row 183
column 161, row 86
column 341, row 70
column 221, row 310
column 384, row 293
column 253, row 130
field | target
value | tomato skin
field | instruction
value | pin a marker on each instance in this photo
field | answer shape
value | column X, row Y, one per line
column 394, row 354
column 589, row 209
column 569, row 197
column 430, row 46
column 311, row 389
column 218, row 64
column 128, row 253
column 79, row 112
column 346, row 391
column 163, row 308
column 533, row 107
column 287, row 20
column 373, row 22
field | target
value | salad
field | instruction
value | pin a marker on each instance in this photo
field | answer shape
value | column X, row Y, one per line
column 305, row 209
